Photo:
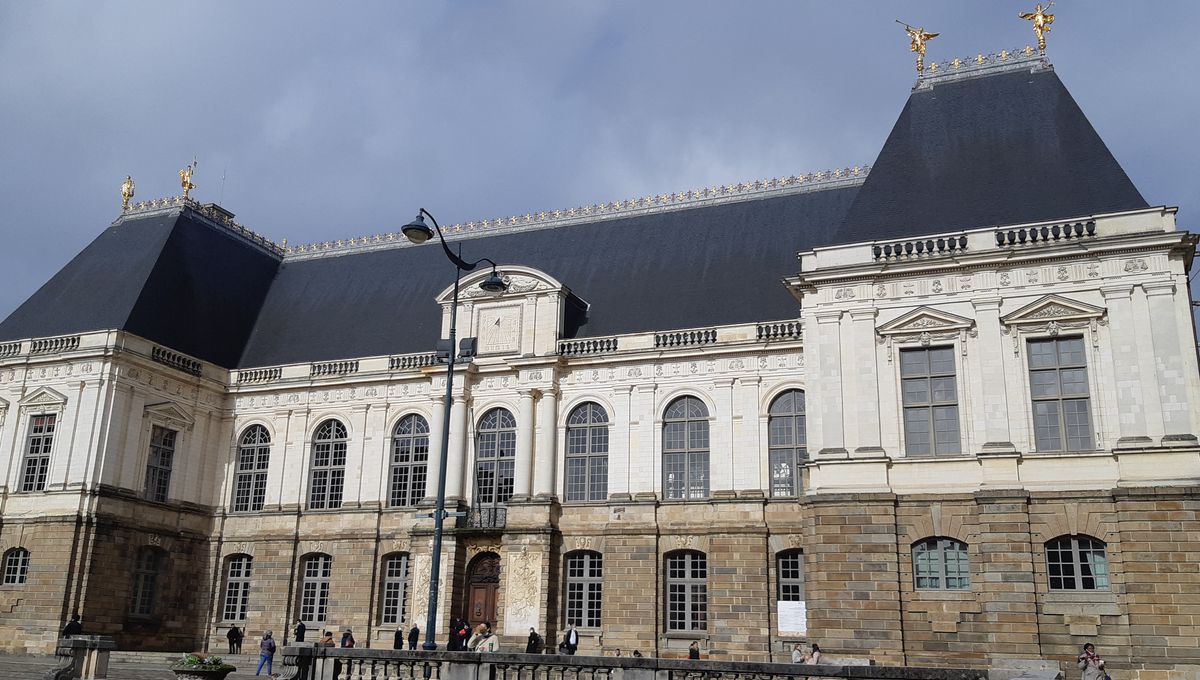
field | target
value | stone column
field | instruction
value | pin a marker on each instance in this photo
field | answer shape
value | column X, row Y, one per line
column 524, row 459
column 868, row 442
column 437, row 415
column 547, row 422
column 828, row 384
column 1131, row 409
column 456, row 462
column 1169, row 364
column 992, row 402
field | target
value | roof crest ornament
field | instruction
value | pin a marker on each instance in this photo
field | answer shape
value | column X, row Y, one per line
column 185, row 178
column 962, row 68
column 210, row 212
column 919, row 37
column 545, row 219
column 126, row 192
column 1041, row 19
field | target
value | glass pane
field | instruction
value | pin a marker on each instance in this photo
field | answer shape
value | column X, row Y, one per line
column 916, row 391
column 1042, row 354
column 1044, row 383
column 945, row 427
column 916, row 431
column 1046, row 426
column 1078, row 423
column 943, row 390
column 1074, row 381
column 914, row 362
column 941, row 361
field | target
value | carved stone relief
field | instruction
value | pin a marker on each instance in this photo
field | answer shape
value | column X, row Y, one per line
column 523, row 591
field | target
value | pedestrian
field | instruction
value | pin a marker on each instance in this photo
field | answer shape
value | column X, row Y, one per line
column 814, row 657
column 299, row 630
column 534, row 644
column 484, row 641
column 326, row 639
column 414, row 634
column 1091, row 664
column 618, row 652
column 694, row 650
column 266, row 653
column 798, row 655
column 460, row 635
column 73, row 628
column 571, row 638
column 477, row 636
column 233, row 636
column 637, row 654
column 347, row 639
column 398, row 638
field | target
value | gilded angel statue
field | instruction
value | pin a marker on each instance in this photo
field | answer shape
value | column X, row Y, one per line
column 919, row 37
column 1041, row 19
column 185, row 178
column 126, row 192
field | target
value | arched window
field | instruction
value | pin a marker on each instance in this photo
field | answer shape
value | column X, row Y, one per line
column 250, row 483
column 685, row 449
column 314, row 588
column 790, row 565
column 587, row 453
column 238, row 570
column 410, row 461
column 495, row 451
column 787, row 442
column 687, row 591
column 584, row 585
column 328, row 466
column 16, row 566
column 395, row 588
column 941, row 564
column 146, row 569
column 1077, row 562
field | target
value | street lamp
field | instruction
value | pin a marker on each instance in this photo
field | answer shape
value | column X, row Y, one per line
column 418, row 232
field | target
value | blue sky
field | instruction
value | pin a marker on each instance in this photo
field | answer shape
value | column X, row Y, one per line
column 340, row 119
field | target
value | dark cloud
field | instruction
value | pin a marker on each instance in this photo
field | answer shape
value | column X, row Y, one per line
column 340, row 119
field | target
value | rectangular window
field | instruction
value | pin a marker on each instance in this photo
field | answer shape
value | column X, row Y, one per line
column 237, row 588
column 37, row 452
column 1058, row 385
column 930, row 394
column 585, row 587
column 314, row 590
column 158, row 468
column 395, row 589
column 687, row 592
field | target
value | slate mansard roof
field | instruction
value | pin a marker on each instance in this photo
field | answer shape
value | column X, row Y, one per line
column 1000, row 148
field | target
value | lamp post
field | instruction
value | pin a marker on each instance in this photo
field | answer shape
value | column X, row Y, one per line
column 418, row 232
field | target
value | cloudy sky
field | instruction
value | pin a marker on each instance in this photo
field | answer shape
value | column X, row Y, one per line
column 320, row 121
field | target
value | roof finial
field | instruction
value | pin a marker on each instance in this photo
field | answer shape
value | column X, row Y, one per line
column 919, row 37
column 1041, row 23
column 126, row 192
column 185, row 177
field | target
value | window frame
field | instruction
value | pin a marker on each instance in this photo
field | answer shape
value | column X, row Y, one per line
column 583, row 593
column 415, row 466
column 39, row 447
column 143, row 593
column 793, row 453
column 782, row 582
column 16, row 566
column 237, row 587
column 949, row 559
column 327, row 477
column 160, row 461
column 316, row 570
column 394, row 590
column 1060, row 398
column 696, row 480
column 591, row 419
column 693, row 605
column 253, row 466
column 931, row 405
column 1077, row 564
column 495, row 455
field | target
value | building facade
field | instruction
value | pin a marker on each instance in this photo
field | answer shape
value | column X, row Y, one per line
column 960, row 428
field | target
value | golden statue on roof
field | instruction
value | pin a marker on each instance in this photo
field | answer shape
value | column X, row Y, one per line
column 919, row 37
column 126, row 192
column 1041, row 19
column 185, row 178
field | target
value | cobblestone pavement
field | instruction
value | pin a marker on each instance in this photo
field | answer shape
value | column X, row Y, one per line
column 17, row 667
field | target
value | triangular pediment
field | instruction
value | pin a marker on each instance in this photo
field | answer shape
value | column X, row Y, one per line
column 925, row 319
column 1053, row 307
column 169, row 413
column 43, row 396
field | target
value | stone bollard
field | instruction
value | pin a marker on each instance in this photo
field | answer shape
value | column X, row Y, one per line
column 82, row 656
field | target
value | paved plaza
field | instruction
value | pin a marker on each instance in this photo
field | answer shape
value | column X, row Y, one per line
column 22, row 667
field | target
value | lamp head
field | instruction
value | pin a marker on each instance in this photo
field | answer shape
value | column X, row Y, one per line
column 493, row 283
column 417, row 231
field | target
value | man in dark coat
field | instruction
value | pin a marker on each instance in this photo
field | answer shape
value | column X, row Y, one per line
column 398, row 638
column 413, row 636
column 571, row 639
column 73, row 628
column 235, row 639
column 299, row 631
column 534, row 645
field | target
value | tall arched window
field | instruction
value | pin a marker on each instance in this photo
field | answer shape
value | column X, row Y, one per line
column 314, row 588
column 250, row 483
column 685, row 449
column 787, row 442
column 238, row 570
column 587, row 453
column 146, row 568
column 584, row 586
column 687, row 591
column 328, row 466
column 410, row 460
column 1077, row 562
column 395, row 588
column 16, row 566
column 941, row 564
column 495, row 451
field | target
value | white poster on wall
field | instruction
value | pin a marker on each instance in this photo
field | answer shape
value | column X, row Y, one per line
column 792, row 617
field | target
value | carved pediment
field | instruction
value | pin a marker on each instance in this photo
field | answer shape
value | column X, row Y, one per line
column 925, row 320
column 520, row 280
column 43, row 398
column 1052, row 307
column 170, row 414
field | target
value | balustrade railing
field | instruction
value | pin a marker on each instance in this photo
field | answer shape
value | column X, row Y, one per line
column 780, row 330
column 1045, row 233
column 685, row 338
column 484, row 518
column 333, row 368
column 409, row 362
column 54, row 345
column 915, row 248
column 9, row 349
column 259, row 375
column 587, row 346
column 175, row 360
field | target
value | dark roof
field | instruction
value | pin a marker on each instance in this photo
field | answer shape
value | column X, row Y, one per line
column 680, row 269
column 172, row 278
column 1003, row 149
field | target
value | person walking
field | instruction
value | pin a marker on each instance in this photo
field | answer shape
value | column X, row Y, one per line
column 534, row 644
column 347, row 639
column 571, row 640
column 234, row 636
column 299, row 630
column 694, row 650
column 1091, row 664
column 414, row 635
column 398, row 638
column 266, row 653
column 73, row 628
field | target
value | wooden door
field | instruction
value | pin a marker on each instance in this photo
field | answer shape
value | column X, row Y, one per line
column 482, row 607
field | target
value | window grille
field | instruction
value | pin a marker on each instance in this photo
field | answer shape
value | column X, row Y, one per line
column 395, row 589
column 1077, row 563
column 495, row 453
column 930, row 394
column 145, row 581
column 790, row 565
column 328, row 466
column 687, row 591
column 254, row 458
column 584, row 585
column 237, row 587
column 37, row 451
column 587, row 453
column 941, row 564
column 410, row 461
column 158, row 466
column 314, row 589
column 16, row 567
column 685, row 449
column 787, row 442
column 1058, row 384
